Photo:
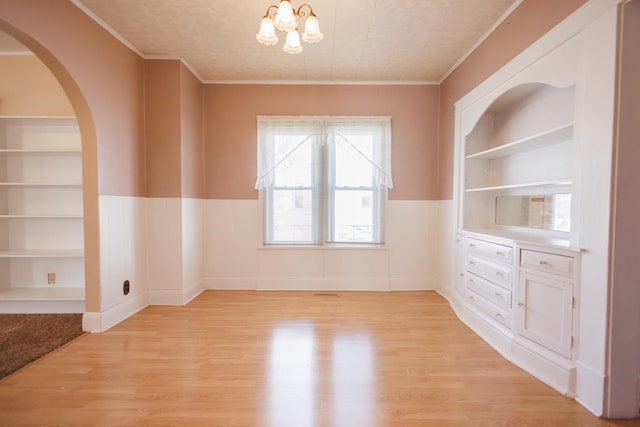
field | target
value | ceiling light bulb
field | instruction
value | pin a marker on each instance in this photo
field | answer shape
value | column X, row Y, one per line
column 285, row 19
column 292, row 44
column 312, row 32
column 267, row 34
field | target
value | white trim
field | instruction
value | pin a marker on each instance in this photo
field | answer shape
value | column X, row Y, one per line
column 323, row 82
column 101, row 321
column 412, row 284
column 561, row 33
column 108, row 28
column 482, row 38
column 231, row 283
column 313, row 284
column 590, row 388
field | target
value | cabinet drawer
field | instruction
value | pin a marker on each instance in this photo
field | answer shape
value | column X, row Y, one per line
column 496, row 294
column 492, row 250
column 543, row 261
column 490, row 310
column 496, row 273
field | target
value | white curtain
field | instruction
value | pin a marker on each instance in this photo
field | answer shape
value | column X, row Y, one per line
column 323, row 130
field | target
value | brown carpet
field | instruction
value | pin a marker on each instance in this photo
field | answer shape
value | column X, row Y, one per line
column 26, row 337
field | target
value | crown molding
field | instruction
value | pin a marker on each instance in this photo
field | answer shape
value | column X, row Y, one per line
column 106, row 26
column 500, row 20
column 323, row 82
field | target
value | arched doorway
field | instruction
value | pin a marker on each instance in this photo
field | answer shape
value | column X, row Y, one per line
column 49, row 185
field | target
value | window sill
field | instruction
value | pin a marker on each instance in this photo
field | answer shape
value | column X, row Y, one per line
column 328, row 246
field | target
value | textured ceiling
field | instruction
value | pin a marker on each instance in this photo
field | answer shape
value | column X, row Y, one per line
column 364, row 40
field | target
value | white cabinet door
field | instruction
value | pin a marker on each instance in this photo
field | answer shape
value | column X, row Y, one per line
column 545, row 308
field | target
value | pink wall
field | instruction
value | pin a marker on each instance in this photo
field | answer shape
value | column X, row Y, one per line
column 162, row 125
column 230, row 130
column 173, row 123
column 191, row 119
column 27, row 88
column 530, row 20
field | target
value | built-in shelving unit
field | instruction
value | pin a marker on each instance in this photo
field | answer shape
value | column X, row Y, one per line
column 41, row 215
column 521, row 145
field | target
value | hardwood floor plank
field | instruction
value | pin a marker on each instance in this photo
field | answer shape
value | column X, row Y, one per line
column 280, row 359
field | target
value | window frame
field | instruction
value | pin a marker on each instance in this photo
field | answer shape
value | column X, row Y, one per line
column 324, row 188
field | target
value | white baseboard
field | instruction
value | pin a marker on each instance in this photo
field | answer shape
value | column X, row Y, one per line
column 590, row 387
column 306, row 284
column 175, row 296
column 412, row 284
column 101, row 321
column 230, row 283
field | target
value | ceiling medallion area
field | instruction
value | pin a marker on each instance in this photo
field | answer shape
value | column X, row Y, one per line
column 284, row 17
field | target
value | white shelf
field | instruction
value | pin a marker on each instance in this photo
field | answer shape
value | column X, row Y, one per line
column 49, row 294
column 42, row 253
column 16, row 216
column 38, row 184
column 555, row 183
column 544, row 139
column 38, row 151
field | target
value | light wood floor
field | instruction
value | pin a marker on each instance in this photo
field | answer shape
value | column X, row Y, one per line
column 286, row 359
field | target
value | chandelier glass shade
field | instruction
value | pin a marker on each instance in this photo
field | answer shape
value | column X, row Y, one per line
column 284, row 17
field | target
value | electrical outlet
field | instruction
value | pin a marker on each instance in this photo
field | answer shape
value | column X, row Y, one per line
column 125, row 287
column 51, row 278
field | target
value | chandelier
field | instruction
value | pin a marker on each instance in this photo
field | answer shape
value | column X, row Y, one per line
column 284, row 19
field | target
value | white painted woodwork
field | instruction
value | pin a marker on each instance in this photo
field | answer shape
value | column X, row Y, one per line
column 545, row 123
column 41, row 215
column 545, row 311
column 235, row 257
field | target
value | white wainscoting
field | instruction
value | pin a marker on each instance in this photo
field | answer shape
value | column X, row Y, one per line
column 123, row 256
column 411, row 259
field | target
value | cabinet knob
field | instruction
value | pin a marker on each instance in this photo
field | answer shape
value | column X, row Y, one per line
column 461, row 274
column 543, row 262
column 520, row 304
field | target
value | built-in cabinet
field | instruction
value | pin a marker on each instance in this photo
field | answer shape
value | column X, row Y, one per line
column 547, row 287
column 517, row 262
column 41, row 215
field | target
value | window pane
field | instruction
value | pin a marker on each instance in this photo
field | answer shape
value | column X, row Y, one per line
column 353, row 216
column 353, row 169
column 293, row 160
column 292, row 216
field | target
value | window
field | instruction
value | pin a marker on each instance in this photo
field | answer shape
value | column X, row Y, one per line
column 323, row 180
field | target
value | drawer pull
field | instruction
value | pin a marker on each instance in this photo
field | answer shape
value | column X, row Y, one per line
column 500, row 274
column 461, row 274
column 543, row 262
column 471, row 297
column 498, row 295
column 520, row 304
column 499, row 316
column 472, row 263
column 472, row 245
column 499, row 253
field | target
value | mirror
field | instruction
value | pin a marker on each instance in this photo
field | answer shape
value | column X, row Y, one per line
column 547, row 211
